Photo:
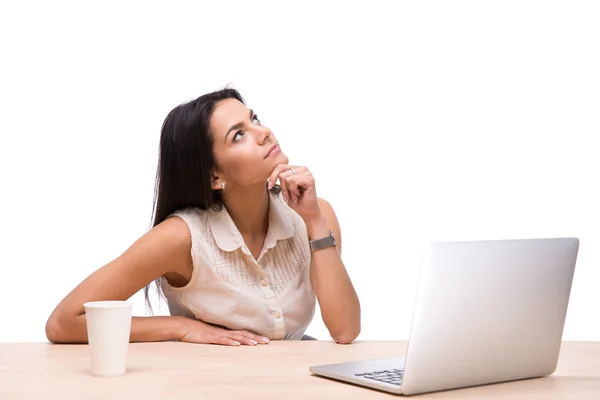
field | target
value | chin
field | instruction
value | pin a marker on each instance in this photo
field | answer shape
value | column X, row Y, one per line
column 275, row 160
column 282, row 158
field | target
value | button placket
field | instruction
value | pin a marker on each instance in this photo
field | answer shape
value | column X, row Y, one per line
column 278, row 320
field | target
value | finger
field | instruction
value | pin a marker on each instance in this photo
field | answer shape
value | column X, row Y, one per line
column 291, row 182
column 278, row 170
column 287, row 196
column 293, row 177
column 258, row 338
column 297, row 182
column 243, row 339
column 284, row 190
column 283, row 179
column 225, row 340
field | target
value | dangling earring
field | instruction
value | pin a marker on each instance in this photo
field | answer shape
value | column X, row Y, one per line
column 223, row 185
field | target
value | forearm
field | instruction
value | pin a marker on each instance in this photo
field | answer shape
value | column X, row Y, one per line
column 155, row 329
column 143, row 329
column 340, row 307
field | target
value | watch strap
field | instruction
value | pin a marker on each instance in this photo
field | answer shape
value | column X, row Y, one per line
column 323, row 243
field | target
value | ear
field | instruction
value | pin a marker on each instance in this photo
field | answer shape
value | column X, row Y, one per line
column 216, row 180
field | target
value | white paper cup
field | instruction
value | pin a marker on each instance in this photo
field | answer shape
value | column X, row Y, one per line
column 108, row 328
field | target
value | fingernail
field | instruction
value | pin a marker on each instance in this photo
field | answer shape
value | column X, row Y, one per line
column 236, row 342
column 253, row 341
column 265, row 340
column 269, row 183
column 285, row 198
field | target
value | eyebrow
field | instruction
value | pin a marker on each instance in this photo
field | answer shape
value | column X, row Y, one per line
column 237, row 126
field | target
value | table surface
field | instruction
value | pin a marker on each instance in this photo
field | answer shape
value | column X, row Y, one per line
column 173, row 370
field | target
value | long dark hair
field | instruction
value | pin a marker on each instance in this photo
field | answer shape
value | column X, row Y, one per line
column 185, row 163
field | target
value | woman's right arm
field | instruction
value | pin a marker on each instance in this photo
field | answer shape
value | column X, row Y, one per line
column 165, row 249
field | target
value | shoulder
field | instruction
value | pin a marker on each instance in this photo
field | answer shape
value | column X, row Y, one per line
column 188, row 212
column 328, row 211
column 324, row 205
column 188, row 223
column 163, row 249
column 173, row 230
column 193, row 218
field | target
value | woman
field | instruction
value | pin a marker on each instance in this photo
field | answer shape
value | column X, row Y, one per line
column 238, row 258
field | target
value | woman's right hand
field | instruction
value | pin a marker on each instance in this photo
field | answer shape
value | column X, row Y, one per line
column 195, row 331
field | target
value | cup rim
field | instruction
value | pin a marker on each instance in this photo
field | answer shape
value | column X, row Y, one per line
column 108, row 304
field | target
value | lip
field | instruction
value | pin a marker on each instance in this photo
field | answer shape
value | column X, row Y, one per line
column 274, row 149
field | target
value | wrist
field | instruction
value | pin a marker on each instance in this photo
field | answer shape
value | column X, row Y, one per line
column 180, row 327
column 316, row 227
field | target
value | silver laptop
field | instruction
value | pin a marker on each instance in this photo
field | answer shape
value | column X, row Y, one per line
column 485, row 312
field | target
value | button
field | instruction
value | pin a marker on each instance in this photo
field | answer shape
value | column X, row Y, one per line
column 263, row 282
column 277, row 314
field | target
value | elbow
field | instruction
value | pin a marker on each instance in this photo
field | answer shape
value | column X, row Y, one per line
column 56, row 331
column 344, row 340
column 53, row 331
column 348, row 336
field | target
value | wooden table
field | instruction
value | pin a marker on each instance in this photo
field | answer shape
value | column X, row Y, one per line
column 278, row 370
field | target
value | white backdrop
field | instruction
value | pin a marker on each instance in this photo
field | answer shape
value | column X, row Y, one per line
column 422, row 121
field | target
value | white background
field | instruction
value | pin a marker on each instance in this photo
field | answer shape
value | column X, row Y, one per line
column 421, row 121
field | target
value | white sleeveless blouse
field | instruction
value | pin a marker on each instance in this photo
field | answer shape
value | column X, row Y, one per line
column 271, row 296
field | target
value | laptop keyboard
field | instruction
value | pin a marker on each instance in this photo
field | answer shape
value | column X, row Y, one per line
column 391, row 376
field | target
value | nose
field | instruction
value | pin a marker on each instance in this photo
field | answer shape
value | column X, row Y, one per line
column 263, row 133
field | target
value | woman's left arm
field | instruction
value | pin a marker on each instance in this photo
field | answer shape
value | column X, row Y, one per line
column 340, row 307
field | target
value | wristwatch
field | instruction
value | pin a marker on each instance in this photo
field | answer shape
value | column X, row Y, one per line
column 323, row 243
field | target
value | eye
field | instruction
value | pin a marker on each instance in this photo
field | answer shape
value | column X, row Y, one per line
column 238, row 135
column 255, row 119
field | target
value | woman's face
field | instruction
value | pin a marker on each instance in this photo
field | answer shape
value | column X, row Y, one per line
column 246, row 152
